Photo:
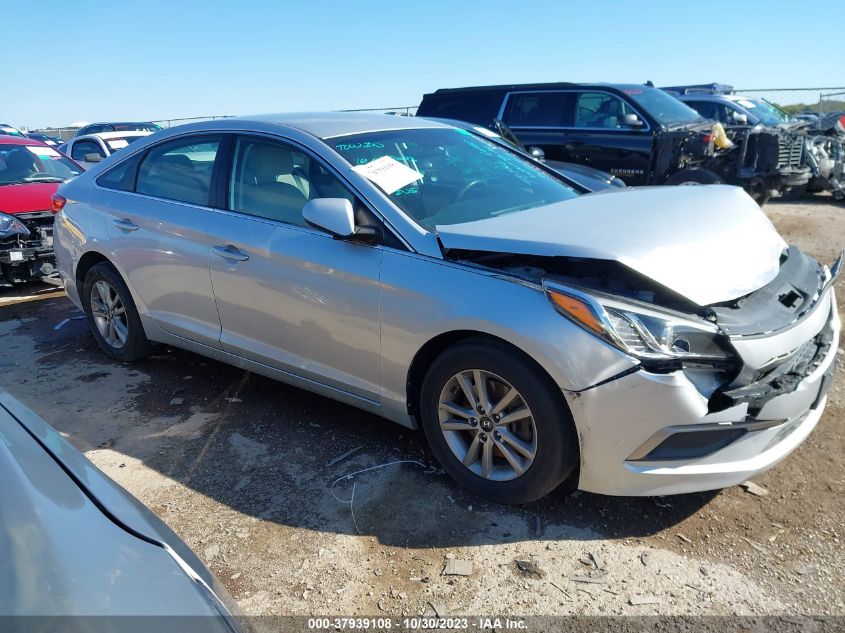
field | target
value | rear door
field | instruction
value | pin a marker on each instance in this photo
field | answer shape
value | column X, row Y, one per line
column 157, row 219
column 290, row 296
column 599, row 138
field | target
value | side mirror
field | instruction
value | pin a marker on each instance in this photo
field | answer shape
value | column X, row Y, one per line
column 632, row 120
column 739, row 117
column 537, row 153
column 92, row 158
column 334, row 215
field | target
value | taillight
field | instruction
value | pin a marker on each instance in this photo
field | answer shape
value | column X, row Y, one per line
column 57, row 203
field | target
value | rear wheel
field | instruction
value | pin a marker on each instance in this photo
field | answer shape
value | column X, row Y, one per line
column 694, row 176
column 112, row 314
column 496, row 423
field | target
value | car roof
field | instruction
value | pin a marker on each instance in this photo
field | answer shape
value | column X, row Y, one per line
column 109, row 135
column 712, row 97
column 543, row 86
column 330, row 124
column 7, row 139
column 119, row 123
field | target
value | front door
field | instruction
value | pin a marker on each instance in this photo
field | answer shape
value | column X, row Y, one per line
column 599, row 138
column 290, row 296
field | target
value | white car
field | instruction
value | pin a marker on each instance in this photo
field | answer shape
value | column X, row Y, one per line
column 90, row 149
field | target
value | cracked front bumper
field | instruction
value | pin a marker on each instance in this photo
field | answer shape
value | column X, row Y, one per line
column 621, row 422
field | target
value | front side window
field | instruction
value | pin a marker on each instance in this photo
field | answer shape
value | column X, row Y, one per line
column 20, row 164
column 537, row 109
column 274, row 181
column 118, row 143
column 179, row 170
column 82, row 148
column 440, row 176
column 600, row 110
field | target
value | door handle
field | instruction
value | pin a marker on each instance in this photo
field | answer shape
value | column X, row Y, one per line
column 125, row 225
column 231, row 253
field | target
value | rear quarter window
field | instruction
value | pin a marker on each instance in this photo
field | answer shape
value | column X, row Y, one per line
column 121, row 177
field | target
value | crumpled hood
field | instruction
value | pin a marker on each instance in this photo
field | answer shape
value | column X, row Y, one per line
column 708, row 243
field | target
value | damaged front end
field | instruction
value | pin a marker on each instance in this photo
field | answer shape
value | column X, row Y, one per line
column 721, row 391
column 26, row 247
column 767, row 162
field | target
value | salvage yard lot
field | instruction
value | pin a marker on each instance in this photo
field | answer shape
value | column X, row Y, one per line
column 241, row 468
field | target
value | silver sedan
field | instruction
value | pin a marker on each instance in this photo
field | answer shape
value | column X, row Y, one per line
column 651, row 341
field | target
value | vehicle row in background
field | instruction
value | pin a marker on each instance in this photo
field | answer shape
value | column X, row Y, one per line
column 97, row 128
column 823, row 138
column 636, row 132
column 30, row 173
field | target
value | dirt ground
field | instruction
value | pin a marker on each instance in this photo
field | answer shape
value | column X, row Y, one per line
column 242, row 469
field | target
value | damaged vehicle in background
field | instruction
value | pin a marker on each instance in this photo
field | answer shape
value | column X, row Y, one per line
column 645, row 341
column 30, row 173
column 636, row 132
column 746, row 118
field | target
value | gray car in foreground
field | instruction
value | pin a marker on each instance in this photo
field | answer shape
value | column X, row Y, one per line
column 649, row 341
column 74, row 543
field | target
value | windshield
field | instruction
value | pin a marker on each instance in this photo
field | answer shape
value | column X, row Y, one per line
column 765, row 111
column 121, row 142
column 449, row 176
column 34, row 163
column 663, row 107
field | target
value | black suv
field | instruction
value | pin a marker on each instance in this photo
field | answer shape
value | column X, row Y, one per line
column 636, row 132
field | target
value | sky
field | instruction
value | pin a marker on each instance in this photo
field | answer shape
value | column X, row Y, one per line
column 90, row 60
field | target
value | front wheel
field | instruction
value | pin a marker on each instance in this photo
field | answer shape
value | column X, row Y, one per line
column 496, row 423
column 112, row 314
column 694, row 176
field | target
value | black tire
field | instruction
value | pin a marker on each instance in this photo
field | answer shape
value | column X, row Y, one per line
column 557, row 453
column 760, row 197
column 136, row 345
column 694, row 176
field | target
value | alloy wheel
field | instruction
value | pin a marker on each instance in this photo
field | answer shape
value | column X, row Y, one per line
column 487, row 425
column 109, row 314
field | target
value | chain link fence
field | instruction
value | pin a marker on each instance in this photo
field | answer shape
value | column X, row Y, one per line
column 398, row 111
column 810, row 101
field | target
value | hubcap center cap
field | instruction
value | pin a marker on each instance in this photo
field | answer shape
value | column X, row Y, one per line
column 486, row 424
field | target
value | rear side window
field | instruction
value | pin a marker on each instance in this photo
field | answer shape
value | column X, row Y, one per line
column 122, row 176
column 82, row 148
column 179, row 170
column 600, row 110
column 538, row 109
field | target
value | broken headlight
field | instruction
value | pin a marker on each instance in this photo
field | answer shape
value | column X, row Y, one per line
column 645, row 332
column 10, row 225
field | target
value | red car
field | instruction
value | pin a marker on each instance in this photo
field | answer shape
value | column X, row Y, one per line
column 30, row 173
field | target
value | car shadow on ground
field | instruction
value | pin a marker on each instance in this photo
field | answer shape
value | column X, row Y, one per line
column 273, row 452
